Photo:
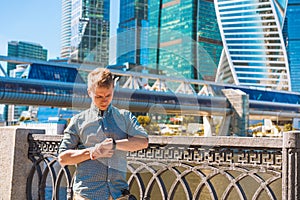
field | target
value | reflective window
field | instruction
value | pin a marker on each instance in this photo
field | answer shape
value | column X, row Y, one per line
column 54, row 73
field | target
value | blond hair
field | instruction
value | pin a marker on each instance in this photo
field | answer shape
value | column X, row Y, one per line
column 100, row 77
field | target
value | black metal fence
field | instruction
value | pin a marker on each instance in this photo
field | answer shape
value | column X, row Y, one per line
column 181, row 168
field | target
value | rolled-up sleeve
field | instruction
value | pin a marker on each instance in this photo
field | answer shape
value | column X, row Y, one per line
column 71, row 138
column 134, row 127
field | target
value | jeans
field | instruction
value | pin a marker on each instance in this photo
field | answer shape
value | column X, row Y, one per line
column 78, row 197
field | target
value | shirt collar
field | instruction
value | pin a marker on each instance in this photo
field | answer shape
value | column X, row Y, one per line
column 97, row 111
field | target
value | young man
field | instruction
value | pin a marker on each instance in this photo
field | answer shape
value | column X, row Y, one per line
column 97, row 141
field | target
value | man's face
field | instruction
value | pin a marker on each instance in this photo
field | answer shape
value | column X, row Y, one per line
column 102, row 97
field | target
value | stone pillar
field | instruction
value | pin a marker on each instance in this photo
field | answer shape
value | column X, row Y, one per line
column 291, row 166
column 14, row 162
column 208, row 124
column 225, row 126
column 239, row 102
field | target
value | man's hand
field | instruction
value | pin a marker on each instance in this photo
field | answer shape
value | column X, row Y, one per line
column 102, row 150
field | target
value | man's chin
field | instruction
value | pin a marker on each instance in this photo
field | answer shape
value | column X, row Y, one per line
column 103, row 107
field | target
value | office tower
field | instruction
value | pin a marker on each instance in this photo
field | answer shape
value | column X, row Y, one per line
column 254, row 51
column 65, row 49
column 132, row 32
column 292, row 41
column 90, row 32
column 21, row 49
column 13, row 112
column 184, row 39
column 25, row 50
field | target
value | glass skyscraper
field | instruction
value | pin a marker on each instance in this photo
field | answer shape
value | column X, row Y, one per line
column 65, row 49
column 292, row 41
column 90, row 31
column 23, row 49
column 13, row 112
column 132, row 32
column 184, row 38
column 254, row 50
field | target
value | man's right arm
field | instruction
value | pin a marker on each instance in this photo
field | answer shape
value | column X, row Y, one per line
column 69, row 151
column 74, row 156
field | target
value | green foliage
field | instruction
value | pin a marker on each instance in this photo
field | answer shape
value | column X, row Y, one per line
column 288, row 127
column 278, row 128
column 144, row 120
column 22, row 118
column 218, row 128
column 151, row 128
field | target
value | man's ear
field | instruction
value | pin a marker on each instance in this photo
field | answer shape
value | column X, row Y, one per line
column 89, row 93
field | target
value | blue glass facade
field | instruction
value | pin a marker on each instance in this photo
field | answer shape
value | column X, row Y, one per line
column 52, row 73
column 292, row 39
column 25, row 50
column 90, row 31
column 254, row 51
column 22, row 49
column 209, row 41
column 132, row 32
column 184, row 38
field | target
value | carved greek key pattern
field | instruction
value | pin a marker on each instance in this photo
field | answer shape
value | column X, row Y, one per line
column 269, row 158
column 37, row 147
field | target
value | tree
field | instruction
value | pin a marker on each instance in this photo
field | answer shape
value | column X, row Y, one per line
column 288, row 127
column 144, row 120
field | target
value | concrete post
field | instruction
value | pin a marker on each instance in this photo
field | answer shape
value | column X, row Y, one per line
column 14, row 162
column 224, row 129
column 208, row 124
column 291, row 166
column 239, row 101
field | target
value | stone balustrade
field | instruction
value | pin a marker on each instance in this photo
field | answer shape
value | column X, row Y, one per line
column 170, row 168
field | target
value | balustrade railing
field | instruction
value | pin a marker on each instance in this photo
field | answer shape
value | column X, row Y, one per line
column 183, row 168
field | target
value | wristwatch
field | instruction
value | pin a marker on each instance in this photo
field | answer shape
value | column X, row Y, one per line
column 114, row 144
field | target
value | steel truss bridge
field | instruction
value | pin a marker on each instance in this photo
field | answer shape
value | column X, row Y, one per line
column 152, row 93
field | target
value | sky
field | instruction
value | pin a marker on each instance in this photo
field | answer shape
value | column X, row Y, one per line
column 37, row 21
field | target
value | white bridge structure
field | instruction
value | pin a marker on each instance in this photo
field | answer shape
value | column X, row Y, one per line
column 157, row 94
column 164, row 95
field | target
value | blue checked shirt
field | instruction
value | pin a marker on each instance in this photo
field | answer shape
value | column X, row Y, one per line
column 104, row 177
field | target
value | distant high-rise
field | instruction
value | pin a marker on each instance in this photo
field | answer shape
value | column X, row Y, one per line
column 184, row 38
column 65, row 49
column 90, row 31
column 13, row 112
column 25, row 50
column 292, row 41
column 21, row 49
column 254, row 51
column 132, row 32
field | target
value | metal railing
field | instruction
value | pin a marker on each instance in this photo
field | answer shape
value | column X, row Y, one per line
column 184, row 168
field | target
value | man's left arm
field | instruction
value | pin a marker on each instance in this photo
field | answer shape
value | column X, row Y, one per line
column 132, row 143
column 137, row 137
